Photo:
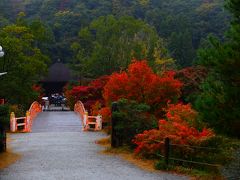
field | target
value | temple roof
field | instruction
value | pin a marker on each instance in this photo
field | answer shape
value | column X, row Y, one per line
column 59, row 72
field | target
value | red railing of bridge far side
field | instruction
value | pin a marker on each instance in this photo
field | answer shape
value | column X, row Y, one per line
column 89, row 122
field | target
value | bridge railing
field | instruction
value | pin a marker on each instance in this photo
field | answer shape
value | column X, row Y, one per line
column 89, row 122
column 25, row 122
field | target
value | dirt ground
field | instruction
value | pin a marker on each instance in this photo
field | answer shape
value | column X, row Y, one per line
column 8, row 158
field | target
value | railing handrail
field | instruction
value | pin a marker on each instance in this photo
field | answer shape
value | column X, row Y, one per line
column 31, row 107
column 20, row 118
column 79, row 108
column 33, row 111
column 92, row 117
column 81, row 104
column 191, row 146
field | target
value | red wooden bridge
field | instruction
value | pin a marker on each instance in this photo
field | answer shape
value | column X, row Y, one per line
column 24, row 124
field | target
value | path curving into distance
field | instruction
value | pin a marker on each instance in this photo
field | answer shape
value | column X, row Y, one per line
column 58, row 149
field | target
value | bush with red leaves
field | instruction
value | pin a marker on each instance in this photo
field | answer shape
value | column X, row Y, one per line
column 179, row 125
column 89, row 95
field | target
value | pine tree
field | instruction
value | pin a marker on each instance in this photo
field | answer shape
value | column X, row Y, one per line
column 219, row 103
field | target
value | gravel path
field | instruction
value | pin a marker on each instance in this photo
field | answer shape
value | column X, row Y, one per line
column 59, row 149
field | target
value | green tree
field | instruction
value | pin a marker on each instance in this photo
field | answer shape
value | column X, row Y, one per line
column 24, row 63
column 65, row 18
column 3, row 21
column 219, row 103
column 109, row 44
column 181, row 48
column 131, row 119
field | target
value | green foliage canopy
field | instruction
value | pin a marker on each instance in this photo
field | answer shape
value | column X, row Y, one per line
column 219, row 102
column 183, row 23
column 24, row 62
column 109, row 44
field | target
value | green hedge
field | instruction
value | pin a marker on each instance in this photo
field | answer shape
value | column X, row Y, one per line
column 131, row 119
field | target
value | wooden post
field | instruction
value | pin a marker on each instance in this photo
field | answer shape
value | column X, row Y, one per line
column 99, row 123
column 166, row 150
column 85, row 121
column 3, row 139
column 114, row 138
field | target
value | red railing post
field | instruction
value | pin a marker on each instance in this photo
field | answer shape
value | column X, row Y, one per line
column 25, row 122
column 12, row 122
column 28, row 122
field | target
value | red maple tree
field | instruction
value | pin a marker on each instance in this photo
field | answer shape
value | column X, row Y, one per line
column 191, row 77
column 141, row 84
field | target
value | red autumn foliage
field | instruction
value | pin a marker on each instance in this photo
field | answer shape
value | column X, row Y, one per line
column 115, row 88
column 179, row 125
column 141, row 84
column 106, row 114
column 90, row 94
column 67, row 93
column 39, row 90
column 100, row 82
column 191, row 77
column 97, row 109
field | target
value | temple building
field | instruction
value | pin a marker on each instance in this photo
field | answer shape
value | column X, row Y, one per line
column 58, row 76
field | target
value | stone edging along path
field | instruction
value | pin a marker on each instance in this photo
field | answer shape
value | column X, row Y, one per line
column 58, row 149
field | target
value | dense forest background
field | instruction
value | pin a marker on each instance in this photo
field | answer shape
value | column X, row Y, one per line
column 182, row 25
column 101, row 37
column 172, row 66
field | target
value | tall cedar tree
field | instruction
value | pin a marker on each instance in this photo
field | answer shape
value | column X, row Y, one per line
column 219, row 104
